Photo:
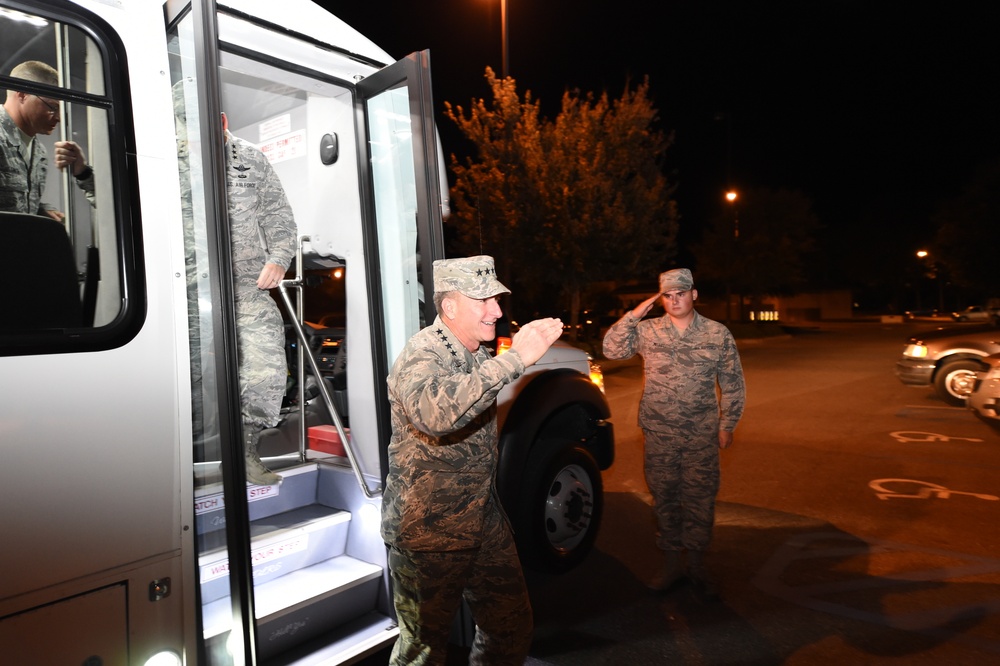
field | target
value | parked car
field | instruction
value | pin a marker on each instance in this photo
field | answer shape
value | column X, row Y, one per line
column 927, row 312
column 948, row 360
column 985, row 397
column 977, row 313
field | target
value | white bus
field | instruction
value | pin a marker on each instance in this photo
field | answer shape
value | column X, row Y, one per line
column 130, row 534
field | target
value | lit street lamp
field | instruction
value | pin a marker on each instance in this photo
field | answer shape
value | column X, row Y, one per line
column 505, row 66
column 503, row 32
column 933, row 272
column 731, row 197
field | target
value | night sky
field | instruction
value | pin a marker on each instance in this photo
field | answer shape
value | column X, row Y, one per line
column 876, row 110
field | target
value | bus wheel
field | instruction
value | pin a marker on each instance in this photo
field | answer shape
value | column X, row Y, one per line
column 561, row 510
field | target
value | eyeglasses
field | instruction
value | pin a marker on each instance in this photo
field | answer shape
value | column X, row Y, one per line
column 53, row 108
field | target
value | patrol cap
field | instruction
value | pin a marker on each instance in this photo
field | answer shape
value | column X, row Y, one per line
column 475, row 277
column 678, row 278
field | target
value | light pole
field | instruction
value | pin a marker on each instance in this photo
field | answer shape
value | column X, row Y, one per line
column 731, row 197
column 503, row 34
column 933, row 272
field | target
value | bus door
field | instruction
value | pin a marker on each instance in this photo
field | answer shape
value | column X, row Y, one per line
column 301, row 565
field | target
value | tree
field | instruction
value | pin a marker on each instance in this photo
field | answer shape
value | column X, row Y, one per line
column 568, row 202
column 769, row 255
column 966, row 225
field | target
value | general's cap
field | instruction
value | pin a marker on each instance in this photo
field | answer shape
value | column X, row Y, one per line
column 475, row 277
column 678, row 278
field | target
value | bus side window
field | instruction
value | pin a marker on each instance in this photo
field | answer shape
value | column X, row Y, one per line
column 52, row 82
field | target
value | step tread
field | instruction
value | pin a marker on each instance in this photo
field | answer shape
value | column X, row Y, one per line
column 345, row 644
column 298, row 587
column 308, row 518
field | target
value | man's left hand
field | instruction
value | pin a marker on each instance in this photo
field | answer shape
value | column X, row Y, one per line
column 725, row 439
column 70, row 154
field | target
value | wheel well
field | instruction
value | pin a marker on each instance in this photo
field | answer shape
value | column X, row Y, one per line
column 556, row 407
column 948, row 360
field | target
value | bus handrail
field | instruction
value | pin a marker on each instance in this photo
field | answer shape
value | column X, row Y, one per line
column 306, row 350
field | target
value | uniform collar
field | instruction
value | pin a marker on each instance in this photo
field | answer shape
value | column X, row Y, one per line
column 456, row 350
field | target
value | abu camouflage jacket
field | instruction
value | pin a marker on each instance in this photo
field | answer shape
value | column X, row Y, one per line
column 681, row 372
column 443, row 450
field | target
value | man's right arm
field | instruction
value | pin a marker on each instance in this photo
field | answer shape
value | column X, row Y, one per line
column 622, row 339
column 438, row 399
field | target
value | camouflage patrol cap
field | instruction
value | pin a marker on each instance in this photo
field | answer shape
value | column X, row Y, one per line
column 678, row 278
column 475, row 277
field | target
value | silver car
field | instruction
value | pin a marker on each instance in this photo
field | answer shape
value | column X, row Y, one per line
column 948, row 360
column 985, row 397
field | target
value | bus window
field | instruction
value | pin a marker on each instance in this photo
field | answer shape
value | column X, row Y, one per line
column 54, row 90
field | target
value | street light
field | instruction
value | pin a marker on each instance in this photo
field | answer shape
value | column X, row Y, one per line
column 503, row 33
column 934, row 273
column 731, row 197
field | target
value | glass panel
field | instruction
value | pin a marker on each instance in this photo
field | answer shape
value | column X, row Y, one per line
column 28, row 37
column 209, row 503
column 396, row 209
column 38, row 124
column 285, row 115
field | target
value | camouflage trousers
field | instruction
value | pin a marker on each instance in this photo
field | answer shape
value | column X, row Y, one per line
column 263, row 366
column 428, row 587
column 682, row 473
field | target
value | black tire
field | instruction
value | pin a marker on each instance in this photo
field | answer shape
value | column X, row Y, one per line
column 953, row 382
column 560, row 510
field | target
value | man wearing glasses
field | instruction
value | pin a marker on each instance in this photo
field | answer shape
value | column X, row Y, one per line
column 23, row 158
column 685, row 421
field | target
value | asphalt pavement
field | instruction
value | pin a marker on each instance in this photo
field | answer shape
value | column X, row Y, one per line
column 855, row 526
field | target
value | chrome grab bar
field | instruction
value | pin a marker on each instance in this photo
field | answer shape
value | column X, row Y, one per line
column 306, row 351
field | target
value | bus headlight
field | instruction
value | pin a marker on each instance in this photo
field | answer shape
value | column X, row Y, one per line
column 165, row 658
column 597, row 375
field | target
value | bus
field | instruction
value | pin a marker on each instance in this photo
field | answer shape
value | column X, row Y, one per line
column 131, row 534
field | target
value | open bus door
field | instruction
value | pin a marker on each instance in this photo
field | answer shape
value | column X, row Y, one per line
column 136, row 532
column 301, row 566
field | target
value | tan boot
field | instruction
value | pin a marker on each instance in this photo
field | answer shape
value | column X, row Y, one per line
column 670, row 574
column 703, row 583
column 257, row 473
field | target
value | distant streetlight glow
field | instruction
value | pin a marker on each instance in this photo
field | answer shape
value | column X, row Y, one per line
column 921, row 253
column 731, row 197
column 503, row 30
column 505, row 68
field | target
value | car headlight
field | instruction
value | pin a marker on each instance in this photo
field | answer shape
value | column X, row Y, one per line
column 915, row 351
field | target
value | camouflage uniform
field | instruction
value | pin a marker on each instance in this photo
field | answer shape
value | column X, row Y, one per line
column 448, row 535
column 681, row 417
column 22, row 185
column 262, row 230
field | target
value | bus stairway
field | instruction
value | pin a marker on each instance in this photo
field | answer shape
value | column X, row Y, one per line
column 305, row 582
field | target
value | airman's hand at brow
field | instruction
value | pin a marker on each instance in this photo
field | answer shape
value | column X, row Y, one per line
column 643, row 308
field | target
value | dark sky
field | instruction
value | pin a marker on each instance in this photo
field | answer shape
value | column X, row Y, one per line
column 877, row 110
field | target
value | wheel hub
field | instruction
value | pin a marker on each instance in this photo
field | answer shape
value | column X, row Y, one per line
column 568, row 508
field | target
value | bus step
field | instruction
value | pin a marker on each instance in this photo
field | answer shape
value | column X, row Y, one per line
column 279, row 545
column 302, row 605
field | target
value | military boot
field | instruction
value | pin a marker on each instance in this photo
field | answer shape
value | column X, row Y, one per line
column 257, row 474
column 670, row 574
column 699, row 577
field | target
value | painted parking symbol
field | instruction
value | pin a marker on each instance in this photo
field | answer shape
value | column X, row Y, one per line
column 921, row 436
column 918, row 490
